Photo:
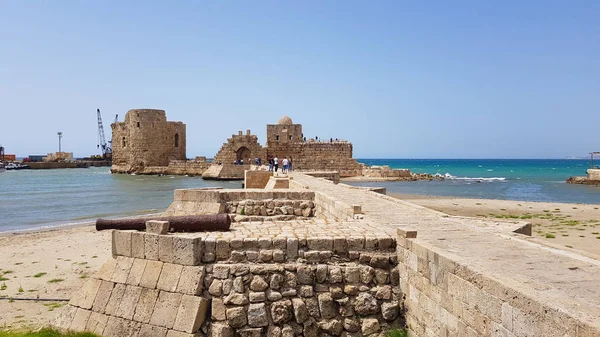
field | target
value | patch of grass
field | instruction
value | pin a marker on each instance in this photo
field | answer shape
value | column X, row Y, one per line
column 38, row 275
column 574, row 207
column 3, row 286
column 549, row 236
column 570, row 222
column 2, row 278
column 565, row 235
column 95, row 257
column 7, row 272
column 54, row 280
column 595, row 233
column 478, row 203
column 84, row 276
column 598, row 237
column 18, row 263
column 568, row 246
column 45, row 333
column 21, row 289
column 546, row 210
column 397, row 333
column 53, row 305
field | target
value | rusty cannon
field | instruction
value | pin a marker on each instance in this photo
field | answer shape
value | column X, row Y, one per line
column 185, row 223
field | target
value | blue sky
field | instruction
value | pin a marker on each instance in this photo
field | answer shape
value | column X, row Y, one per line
column 400, row 79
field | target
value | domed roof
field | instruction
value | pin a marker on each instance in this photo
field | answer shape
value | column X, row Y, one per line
column 285, row 120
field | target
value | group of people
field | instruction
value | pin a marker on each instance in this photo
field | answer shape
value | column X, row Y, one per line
column 274, row 164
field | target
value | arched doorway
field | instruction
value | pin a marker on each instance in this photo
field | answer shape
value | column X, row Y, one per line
column 243, row 153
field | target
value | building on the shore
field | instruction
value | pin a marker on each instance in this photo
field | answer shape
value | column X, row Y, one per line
column 284, row 140
column 145, row 139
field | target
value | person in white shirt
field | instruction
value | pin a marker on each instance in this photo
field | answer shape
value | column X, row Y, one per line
column 285, row 165
column 276, row 163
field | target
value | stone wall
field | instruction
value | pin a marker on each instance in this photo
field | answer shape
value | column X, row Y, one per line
column 270, row 209
column 178, row 167
column 146, row 138
column 256, row 179
column 446, row 297
column 318, row 156
column 242, row 147
column 593, row 174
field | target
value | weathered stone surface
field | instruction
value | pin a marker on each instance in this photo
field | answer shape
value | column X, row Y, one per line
column 383, row 292
column 80, row 320
column 96, row 323
column 310, row 328
column 276, row 281
column 327, row 306
column 236, row 299
column 107, row 270
column 335, row 274
column 236, row 317
column 190, row 282
column 148, row 330
column 238, row 285
column 351, row 325
column 85, row 297
column 333, row 326
column 273, row 295
column 390, row 310
column 145, row 305
column 157, row 227
column 370, row 326
column 366, row 274
column 321, row 273
column 137, row 271
column 312, row 306
column 218, row 310
column 65, row 318
column 366, row 304
column 151, row 274
column 221, row 271
column 121, row 243
column 257, row 315
column 191, row 313
column 129, row 302
column 306, row 291
column 216, row 288
column 350, row 290
column 137, row 245
column 187, row 251
column 273, row 331
column 381, row 276
column 115, row 299
column 258, row 284
column 250, row 332
column 300, row 311
column 122, row 269
column 305, row 275
column 256, row 297
column 118, row 327
column 352, row 275
column 165, row 249
column 281, row 311
column 165, row 310
column 151, row 246
column 227, row 286
column 221, row 330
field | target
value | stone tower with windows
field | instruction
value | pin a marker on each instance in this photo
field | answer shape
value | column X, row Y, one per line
column 145, row 138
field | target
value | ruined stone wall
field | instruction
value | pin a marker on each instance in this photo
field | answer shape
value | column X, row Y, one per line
column 229, row 150
column 278, row 134
column 178, row 167
column 446, row 297
column 317, row 156
column 146, row 138
column 164, row 285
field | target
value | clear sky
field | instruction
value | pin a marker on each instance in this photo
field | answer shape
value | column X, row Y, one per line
column 400, row 79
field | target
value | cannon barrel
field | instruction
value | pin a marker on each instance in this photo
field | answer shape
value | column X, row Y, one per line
column 185, row 223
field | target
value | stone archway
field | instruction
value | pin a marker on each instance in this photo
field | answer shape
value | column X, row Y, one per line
column 243, row 153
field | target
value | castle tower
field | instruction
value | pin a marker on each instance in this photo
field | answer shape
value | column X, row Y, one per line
column 146, row 138
column 284, row 132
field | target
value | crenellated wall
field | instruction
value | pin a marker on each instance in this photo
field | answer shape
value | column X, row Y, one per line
column 146, row 138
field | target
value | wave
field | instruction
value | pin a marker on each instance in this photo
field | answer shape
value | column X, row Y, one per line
column 448, row 176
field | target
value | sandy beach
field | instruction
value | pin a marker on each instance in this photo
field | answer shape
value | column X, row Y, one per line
column 52, row 264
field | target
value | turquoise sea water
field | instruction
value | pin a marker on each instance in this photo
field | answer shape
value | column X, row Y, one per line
column 42, row 198
column 513, row 179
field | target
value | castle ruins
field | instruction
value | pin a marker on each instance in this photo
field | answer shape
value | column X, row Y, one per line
column 314, row 258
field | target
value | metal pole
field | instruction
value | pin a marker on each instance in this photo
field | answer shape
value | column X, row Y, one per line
column 59, row 137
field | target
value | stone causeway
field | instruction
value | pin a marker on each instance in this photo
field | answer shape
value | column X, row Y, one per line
column 326, row 259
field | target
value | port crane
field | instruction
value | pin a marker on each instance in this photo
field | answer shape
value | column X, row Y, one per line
column 102, row 143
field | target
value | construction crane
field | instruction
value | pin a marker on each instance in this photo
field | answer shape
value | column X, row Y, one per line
column 106, row 147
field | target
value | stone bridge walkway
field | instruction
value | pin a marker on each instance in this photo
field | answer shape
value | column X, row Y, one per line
column 561, row 279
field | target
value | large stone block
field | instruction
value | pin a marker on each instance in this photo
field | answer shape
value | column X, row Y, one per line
column 145, row 305
column 151, row 246
column 151, row 274
column 96, row 323
column 137, row 245
column 65, row 318
column 136, row 272
column 165, row 310
column 129, row 302
column 191, row 314
column 84, row 298
column 169, row 277
column 118, row 327
column 157, row 226
column 187, row 251
column 257, row 315
column 148, row 330
column 121, row 243
column 191, row 280
column 122, row 269
column 165, row 249
column 80, row 320
column 107, row 270
column 102, row 297
column 115, row 299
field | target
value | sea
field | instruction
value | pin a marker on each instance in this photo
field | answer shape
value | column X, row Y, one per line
column 36, row 199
